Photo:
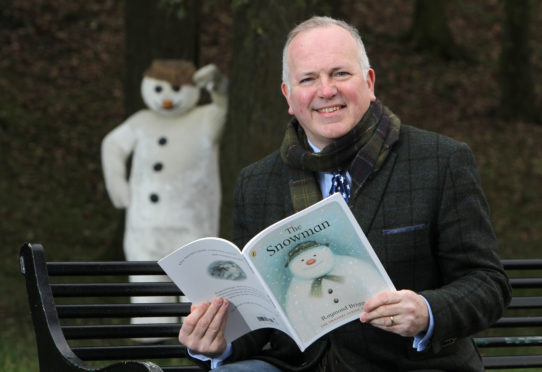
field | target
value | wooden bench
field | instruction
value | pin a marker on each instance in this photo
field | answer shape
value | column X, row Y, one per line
column 81, row 312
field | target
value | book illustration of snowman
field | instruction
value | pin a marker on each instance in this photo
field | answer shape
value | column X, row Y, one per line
column 326, row 286
column 226, row 270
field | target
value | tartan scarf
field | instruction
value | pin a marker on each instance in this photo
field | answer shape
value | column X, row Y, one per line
column 362, row 151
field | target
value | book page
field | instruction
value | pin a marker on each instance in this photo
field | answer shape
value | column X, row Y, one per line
column 214, row 267
column 319, row 266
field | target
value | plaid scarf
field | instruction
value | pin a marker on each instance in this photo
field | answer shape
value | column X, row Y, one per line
column 362, row 151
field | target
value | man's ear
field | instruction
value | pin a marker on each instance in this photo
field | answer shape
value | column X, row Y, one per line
column 286, row 95
column 370, row 81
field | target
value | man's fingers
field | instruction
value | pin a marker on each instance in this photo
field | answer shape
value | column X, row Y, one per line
column 191, row 321
column 380, row 307
column 207, row 318
column 381, row 299
column 218, row 321
column 203, row 330
column 403, row 312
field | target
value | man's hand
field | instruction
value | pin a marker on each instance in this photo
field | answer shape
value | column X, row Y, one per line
column 402, row 312
column 203, row 330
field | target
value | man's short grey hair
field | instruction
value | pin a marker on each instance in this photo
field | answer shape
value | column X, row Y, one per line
column 316, row 22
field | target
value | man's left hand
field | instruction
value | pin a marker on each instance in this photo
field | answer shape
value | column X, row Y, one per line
column 403, row 312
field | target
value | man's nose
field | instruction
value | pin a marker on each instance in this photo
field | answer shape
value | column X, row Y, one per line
column 327, row 89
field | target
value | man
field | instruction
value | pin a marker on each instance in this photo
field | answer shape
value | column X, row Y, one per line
column 417, row 197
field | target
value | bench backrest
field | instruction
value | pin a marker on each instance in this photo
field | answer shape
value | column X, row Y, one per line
column 74, row 304
column 515, row 340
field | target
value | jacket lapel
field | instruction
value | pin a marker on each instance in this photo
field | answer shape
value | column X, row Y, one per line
column 367, row 200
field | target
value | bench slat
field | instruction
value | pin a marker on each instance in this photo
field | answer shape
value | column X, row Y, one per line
column 130, row 352
column 104, row 268
column 115, row 289
column 525, row 282
column 520, row 321
column 531, row 302
column 522, row 361
column 121, row 331
column 122, row 310
column 522, row 264
column 508, row 341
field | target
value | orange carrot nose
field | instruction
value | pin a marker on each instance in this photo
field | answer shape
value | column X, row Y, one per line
column 167, row 104
column 311, row 261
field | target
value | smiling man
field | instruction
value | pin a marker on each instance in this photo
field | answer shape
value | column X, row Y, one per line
column 325, row 85
column 417, row 197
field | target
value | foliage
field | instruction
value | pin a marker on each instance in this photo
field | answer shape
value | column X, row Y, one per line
column 178, row 7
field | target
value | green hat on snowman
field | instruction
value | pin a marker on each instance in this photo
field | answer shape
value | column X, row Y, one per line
column 302, row 247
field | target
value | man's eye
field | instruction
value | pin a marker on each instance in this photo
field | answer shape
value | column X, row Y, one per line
column 306, row 80
column 342, row 74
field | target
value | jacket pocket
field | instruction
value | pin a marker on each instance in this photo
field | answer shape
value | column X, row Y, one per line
column 403, row 229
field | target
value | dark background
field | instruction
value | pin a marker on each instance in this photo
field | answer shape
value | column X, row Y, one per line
column 64, row 67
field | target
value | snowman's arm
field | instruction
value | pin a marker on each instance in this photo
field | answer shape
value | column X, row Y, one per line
column 116, row 148
column 219, row 95
column 210, row 78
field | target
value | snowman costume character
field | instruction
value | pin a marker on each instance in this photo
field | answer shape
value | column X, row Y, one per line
column 324, row 282
column 173, row 193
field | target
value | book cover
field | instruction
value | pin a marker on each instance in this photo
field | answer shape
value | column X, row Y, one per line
column 304, row 275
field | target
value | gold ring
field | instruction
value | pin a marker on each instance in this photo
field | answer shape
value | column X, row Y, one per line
column 392, row 321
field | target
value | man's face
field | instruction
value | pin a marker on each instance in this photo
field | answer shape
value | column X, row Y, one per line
column 328, row 93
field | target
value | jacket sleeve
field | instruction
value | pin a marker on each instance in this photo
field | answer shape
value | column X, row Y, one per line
column 476, row 289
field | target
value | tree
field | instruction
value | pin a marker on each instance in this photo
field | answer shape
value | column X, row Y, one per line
column 517, row 90
column 154, row 29
column 257, row 114
column 430, row 31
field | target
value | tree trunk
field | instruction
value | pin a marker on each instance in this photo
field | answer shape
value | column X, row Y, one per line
column 430, row 31
column 517, row 91
column 257, row 114
column 154, row 31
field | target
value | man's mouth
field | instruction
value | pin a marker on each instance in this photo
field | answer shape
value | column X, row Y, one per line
column 330, row 109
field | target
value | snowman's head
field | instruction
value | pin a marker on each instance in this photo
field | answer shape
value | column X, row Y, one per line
column 167, row 87
column 310, row 260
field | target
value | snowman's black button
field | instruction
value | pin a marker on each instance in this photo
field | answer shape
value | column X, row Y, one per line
column 158, row 166
column 154, row 198
column 162, row 141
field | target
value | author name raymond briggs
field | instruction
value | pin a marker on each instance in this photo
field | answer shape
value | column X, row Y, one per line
column 343, row 309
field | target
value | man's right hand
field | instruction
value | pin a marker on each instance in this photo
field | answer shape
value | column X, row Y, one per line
column 203, row 330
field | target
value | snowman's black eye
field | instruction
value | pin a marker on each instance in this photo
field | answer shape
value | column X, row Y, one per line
column 175, row 88
column 158, row 88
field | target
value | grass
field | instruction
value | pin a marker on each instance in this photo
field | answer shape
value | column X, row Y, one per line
column 18, row 351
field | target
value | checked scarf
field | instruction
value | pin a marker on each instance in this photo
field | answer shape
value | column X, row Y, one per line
column 362, row 151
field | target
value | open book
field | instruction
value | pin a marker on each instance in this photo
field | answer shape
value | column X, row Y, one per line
column 304, row 275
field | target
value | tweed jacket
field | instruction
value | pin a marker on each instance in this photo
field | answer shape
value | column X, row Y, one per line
column 427, row 219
